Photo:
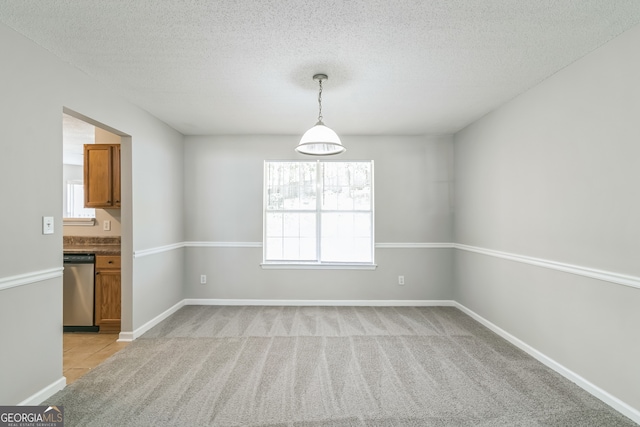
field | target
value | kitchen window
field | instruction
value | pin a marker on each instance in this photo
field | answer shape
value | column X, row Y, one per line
column 318, row 214
column 74, row 198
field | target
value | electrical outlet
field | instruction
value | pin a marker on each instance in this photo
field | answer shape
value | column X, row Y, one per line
column 106, row 225
column 203, row 279
column 400, row 280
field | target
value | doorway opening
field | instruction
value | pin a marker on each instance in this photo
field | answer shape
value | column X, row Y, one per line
column 97, row 226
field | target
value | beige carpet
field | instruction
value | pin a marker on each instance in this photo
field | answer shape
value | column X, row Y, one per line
column 326, row 366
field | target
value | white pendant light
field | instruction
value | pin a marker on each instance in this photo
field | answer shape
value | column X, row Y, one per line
column 320, row 140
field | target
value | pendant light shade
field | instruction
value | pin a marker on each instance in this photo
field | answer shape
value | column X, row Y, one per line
column 320, row 140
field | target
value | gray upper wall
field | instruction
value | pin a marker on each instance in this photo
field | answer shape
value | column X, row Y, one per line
column 555, row 173
column 413, row 185
column 413, row 204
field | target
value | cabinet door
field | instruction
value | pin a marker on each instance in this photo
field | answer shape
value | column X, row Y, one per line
column 98, row 175
column 108, row 295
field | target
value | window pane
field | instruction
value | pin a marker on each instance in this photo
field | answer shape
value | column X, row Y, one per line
column 330, row 249
column 344, row 218
column 291, row 249
column 329, row 224
column 273, row 185
column 308, row 195
column 75, row 202
column 346, row 186
column 362, row 224
column 329, row 198
column 273, row 249
column 274, row 224
column 345, row 199
column 346, row 237
column 343, row 249
column 346, row 224
column 362, row 250
column 308, row 225
column 308, row 249
column 291, row 225
column 290, row 185
column 290, row 236
column 299, row 249
column 274, row 198
column 291, row 196
column 362, row 198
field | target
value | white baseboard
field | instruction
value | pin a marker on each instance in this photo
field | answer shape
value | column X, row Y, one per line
column 297, row 302
column 42, row 395
column 130, row 336
column 591, row 388
column 125, row 337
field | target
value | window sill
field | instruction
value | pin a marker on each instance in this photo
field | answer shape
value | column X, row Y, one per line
column 314, row 266
column 89, row 222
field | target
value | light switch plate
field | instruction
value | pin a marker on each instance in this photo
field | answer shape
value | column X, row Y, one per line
column 47, row 225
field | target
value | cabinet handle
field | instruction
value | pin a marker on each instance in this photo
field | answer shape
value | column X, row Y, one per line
column 97, row 272
column 110, row 262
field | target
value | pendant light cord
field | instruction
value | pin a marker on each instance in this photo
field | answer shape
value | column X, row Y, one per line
column 320, row 102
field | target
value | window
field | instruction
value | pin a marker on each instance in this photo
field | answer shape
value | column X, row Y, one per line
column 75, row 134
column 74, row 206
column 318, row 212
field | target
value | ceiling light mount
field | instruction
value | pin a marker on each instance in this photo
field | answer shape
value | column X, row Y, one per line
column 320, row 77
column 320, row 140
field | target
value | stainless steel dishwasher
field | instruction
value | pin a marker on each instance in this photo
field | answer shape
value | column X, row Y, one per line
column 78, row 292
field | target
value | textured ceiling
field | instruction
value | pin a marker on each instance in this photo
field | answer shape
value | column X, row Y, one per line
column 246, row 67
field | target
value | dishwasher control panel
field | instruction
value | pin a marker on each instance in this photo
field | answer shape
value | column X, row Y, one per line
column 79, row 258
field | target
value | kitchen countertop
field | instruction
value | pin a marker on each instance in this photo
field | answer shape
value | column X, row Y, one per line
column 92, row 249
column 91, row 245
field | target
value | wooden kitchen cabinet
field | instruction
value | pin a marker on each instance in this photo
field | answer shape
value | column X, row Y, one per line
column 102, row 176
column 108, row 293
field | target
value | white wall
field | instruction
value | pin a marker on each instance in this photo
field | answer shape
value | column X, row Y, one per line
column 554, row 175
column 35, row 88
column 413, row 204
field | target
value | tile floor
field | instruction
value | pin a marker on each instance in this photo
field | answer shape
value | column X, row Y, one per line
column 85, row 351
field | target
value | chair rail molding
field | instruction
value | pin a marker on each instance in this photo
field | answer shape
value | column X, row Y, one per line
column 31, row 277
column 608, row 276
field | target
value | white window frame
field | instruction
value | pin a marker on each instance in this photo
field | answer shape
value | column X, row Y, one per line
column 318, row 264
